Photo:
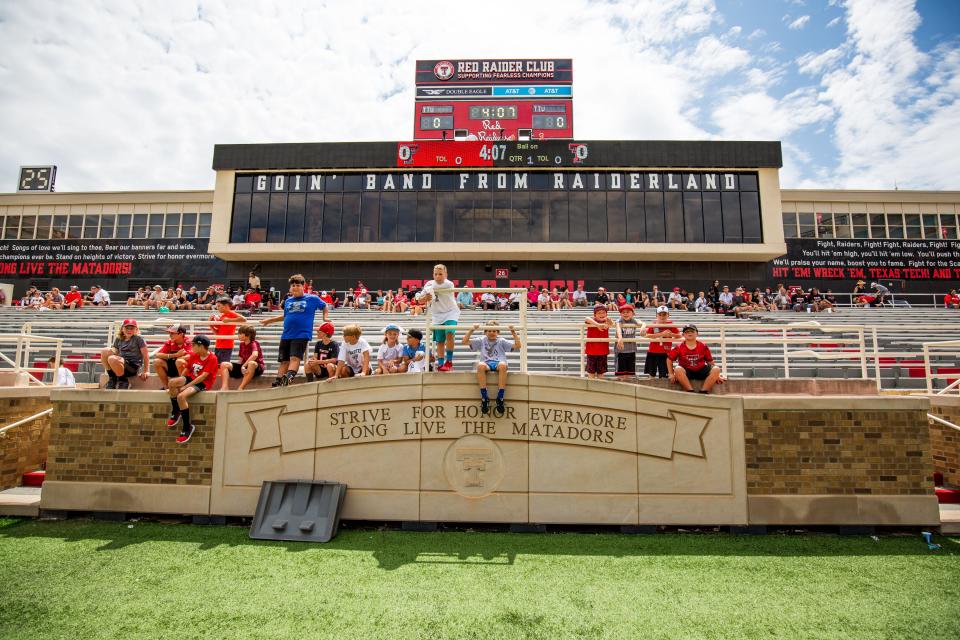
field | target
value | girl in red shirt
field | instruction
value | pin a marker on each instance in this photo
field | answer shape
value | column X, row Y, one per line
column 692, row 360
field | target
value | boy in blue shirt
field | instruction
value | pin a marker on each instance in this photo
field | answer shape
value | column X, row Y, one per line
column 299, row 311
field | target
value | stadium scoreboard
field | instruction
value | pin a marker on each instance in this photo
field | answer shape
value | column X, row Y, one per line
column 502, row 154
column 489, row 100
column 35, row 179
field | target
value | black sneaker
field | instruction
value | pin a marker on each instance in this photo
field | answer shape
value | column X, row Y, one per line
column 278, row 382
column 290, row 377
column 500, row 408
column 111, row 383
column 311, row 377
column 174, row 420
column 123, row 383
column 186, row 434
column 485, row 406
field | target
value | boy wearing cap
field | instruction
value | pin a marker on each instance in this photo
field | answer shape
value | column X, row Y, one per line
column 492, row 356
column 675, row 300
column 323, row 363
column 165, row 358
column 625, row 353
column 299, row 311
column 73, row 299
column 99, row 297
column 199, row 374
column 692, row 360
column 251, row 361
column 655, row 364
column 390, row 353
column 126, row 357
column 414, row 354
column 598, row 327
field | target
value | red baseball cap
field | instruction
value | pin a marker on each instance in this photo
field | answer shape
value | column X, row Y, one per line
column 327, row 328
column 129, row 322
column 625, row 307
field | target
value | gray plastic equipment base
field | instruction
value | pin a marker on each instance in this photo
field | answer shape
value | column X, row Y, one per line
column 298, row 510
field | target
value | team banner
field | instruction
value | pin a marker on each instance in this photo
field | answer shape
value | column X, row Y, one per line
column 512, row 71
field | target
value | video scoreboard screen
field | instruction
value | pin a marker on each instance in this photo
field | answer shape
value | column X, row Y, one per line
column 525, row 99
column 516, row 154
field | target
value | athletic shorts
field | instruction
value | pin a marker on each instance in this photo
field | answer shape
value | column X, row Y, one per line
column 627, row 364
column 699, row 374
column 439, row 335
column 131, row 368
column 199, row 386
column 294, row 348
column 237, row 372
column 656, row 365
column 596, row 364
column 223, row 355
column 492, row 364
column 172, row 371
column 349, row 373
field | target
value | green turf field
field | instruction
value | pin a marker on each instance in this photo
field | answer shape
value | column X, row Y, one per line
column 81, row 579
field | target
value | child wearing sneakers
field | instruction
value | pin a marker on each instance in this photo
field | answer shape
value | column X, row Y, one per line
column 390, row 353
column 492, row 356
column 354, row 357
column 199, row 374
column 439, row 294
column 223, row 347
column 299, row 311
column 323, row 363
column 626, row 352
column 656, row 362
column 414, row 355
column 126, row 357
column 692, row 360
column 251, row 361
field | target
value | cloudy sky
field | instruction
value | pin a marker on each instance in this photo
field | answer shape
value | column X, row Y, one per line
column 133, row 94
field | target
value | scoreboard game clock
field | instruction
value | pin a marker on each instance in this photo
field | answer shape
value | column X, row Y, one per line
column 540, row 153
column 36, row 179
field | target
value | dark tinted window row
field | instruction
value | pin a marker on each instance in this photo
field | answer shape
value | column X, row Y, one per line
column 497, row 216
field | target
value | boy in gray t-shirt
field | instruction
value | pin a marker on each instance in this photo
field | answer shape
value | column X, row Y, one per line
column 626, row 352
column 491, row 356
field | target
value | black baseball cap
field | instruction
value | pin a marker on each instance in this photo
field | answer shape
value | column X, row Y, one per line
column 689, row 327
column 202, row 340
column 415, row 333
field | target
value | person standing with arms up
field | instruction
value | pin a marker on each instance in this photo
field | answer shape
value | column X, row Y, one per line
column 443, row 306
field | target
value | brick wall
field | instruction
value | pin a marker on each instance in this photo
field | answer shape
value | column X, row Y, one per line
column 113, row 441
column 838, row 452
column 944, row 441
column 22, row 448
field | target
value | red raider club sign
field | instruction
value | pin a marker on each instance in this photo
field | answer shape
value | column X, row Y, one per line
column 508, row 71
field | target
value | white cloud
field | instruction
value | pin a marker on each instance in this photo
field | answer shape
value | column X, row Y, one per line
column 799, row 23
column 816, row 63
column 834, row 22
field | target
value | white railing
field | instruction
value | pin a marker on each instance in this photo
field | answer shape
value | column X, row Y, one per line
column 22, row 421
column 26, row 346
column 949, row 348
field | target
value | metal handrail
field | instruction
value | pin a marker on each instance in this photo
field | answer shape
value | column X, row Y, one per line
column 22, row 421
column 24, row 347
column 945, row 423
column 954, row 347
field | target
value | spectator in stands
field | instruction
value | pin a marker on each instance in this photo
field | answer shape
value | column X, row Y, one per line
column 362, row 299
column 951, row 300
column 832, row 299
column 252, row 300
column 329, row 298
column 73, row 299
column 692, row 360
column 208, row 299
column 353, row 358
column 126, row 357
column 99, row 296
column 625, row 351
column 782, row 299
column 882, row 293
column 415, row 306
column 390, row 353
column 741, row 303
column 155, row 299
column 254, row 281
column 228, row 319
column 579, row 297
column 604, row 298
column 138, row 298
column 645, row 301
column 598, row 326
column 31, row 293
column 629, row 297
column 657, row 297
column 62, row 377
column 199, row 374
column 725, row 301
column 350, row 300
column 675, row 300
column 567, row 297
column 299, row 312
column 438, row 293
column 191, row 299
column 532, row 296
column 702, row 304
column 237, row 298
column 387, row 305
column 817, row 301
column 543, row 300
column 414, row 353
column 860, row 289
column 323, row 363
column 165, row 358
column 488, row 301
column 400, row 301
column 713, row 294
column 555, row 303
column 251, row 361
column 798, row 300
column 690, row 302
column 491, row 356
column 659, row 335
column 515, row 299
column 308, row 288
column 56, row 298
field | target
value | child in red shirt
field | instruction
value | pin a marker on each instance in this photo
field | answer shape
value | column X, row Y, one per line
column 199, row 373
column 598, row 327
column 692, row 360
